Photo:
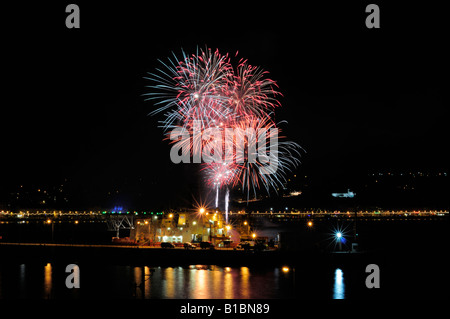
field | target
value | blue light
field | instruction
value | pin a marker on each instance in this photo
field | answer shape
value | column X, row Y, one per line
column 338, row 234
column 339, row 285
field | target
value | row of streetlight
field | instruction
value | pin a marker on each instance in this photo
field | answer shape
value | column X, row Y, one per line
column 49, row 221
column 202, row 210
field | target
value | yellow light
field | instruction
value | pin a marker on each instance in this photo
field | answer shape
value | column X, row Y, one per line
column 202, row 210
column 146, row 222
column 285, row 269
column 310, row 223
column 138, row 222
column 245, row 223
column 76, row 222
column 194, row 223
column 228, row 227
column 254, row 235
column 227, row 269
column 49, row 221
column 170, row 215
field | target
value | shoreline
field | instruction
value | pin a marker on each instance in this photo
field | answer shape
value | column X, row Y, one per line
column 135, row 255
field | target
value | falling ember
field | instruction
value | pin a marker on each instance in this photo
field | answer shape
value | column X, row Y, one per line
column 227, row 199
column 217, row 196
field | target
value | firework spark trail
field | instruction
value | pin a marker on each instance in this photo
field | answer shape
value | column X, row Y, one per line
column 227, row 199
column 191, row 86
column 217, row 196
column 252, row 170
column 249, row 92
column 204, row 91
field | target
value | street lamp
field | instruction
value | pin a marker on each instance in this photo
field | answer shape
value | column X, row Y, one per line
column 210, row 231
column 248, row 227
column 339, row 239
column 228, row 227
column 202, row 212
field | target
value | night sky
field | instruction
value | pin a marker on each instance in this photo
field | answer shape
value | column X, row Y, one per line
column 357, row 100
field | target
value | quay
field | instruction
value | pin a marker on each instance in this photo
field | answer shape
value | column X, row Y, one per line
column 123, row 254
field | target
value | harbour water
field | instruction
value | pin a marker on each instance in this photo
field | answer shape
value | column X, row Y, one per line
column 411, row 256
column 47, row 281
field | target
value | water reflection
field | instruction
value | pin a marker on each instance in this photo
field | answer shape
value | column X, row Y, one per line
column 138, row 282
column 146, row 282
column 47, row 281
column 137, row 275
column 245, row 288
column 228, row 283
column 170, row 282
column 147, row 274
column 339, row 286
column 198, row 285
column 217, row 281
column 179, row 274
column 195, row 281
column 22, row 280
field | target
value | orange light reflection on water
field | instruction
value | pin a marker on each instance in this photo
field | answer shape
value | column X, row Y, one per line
column 47, row 281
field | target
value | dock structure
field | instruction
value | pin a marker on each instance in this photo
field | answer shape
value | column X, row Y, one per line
column 147, row 228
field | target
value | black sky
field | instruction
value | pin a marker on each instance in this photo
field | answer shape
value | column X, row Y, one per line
column 355, row 99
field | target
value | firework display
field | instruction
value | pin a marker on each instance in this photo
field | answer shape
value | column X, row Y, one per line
column 205, row 92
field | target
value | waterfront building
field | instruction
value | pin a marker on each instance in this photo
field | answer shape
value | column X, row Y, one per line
column 181, row 227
